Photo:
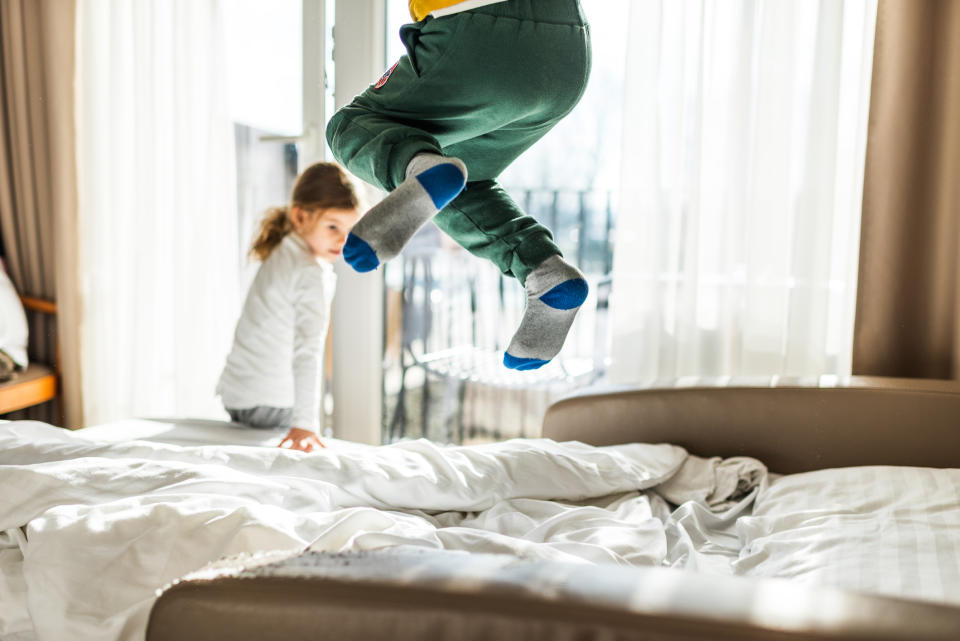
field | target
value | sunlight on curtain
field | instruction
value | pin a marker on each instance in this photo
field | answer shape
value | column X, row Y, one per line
column 744, row 141
column 157, row 207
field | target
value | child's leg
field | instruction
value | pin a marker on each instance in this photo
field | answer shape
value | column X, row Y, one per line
column 392, row 135
column 488, row 223
column 552, row 41
column 262, row 417
column 432, row 182
column 480, row 86
column 514, row 68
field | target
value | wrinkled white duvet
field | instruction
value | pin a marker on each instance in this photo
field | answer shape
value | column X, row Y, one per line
column 89, row 530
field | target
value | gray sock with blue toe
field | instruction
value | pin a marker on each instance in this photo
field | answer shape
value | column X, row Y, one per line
column 555, row 291
column 432, row 182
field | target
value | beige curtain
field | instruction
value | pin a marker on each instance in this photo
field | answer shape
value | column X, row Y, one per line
column 38, row 177
column 908, row 302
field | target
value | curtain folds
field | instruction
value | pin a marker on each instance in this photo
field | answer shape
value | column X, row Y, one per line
column 158, row 220
column 38, row 179
column 737, row 231
column 908, row 303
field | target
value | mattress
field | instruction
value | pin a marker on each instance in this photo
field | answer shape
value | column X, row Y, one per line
column 130, row 516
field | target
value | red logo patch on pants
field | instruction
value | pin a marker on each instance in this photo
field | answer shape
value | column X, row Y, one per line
column 385, row 76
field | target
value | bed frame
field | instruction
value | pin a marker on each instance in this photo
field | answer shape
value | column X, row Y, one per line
column 404, row 595
column 792, row 425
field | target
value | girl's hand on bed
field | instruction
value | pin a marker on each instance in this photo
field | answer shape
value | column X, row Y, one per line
column 303, row 440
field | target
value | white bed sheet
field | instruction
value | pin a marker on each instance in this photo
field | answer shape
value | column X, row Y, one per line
column 102, row 522
column 15, row 622
column 884, row 530
column 184, row 431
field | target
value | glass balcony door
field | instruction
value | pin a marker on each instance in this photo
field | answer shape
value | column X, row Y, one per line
column 449, row 315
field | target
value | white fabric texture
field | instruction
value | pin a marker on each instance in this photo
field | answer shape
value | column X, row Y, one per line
column 13, row 322
column 743, row 155
column 717, row 483
column 14, row 614
column 710, row 495
column 886, row 530
column 183, row 432
column 157, row 207
column 277, row 354
column 466, row 5
column 129, row 517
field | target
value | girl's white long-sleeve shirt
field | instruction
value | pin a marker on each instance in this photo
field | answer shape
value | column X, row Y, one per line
column 277, row 354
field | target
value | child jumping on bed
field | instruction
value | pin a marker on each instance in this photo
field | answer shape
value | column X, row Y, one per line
column 272, row 375
column 481, row 82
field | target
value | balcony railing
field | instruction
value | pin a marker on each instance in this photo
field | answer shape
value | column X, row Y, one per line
column 449, row 316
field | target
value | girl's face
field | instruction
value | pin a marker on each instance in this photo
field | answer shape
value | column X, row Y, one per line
column 325, row 232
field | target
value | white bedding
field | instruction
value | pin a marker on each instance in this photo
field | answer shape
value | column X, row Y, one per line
column 101, row 524
column 91, row 524
column 878, row 529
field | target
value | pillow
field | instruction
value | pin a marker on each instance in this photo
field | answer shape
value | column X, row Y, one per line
column 13, row 322
column 880, row 529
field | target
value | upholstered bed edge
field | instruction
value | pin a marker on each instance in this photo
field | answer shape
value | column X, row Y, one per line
column 791, row 425
column 407, row 594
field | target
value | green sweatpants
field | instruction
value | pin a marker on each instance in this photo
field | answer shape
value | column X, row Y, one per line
column 483, row 86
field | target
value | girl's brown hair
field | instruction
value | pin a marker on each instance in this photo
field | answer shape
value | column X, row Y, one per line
column 320, row 186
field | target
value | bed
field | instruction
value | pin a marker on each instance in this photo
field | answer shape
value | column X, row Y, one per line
column 825, row 509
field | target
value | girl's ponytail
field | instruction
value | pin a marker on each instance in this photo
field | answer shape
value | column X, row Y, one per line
column 275, row 225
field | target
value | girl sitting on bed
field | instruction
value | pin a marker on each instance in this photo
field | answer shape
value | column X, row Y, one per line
column 273, row 372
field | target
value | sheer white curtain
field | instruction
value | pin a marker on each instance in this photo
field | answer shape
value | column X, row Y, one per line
column 738, row 227
column 157, row 207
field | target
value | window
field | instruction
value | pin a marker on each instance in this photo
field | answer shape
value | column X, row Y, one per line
column 266, row 106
